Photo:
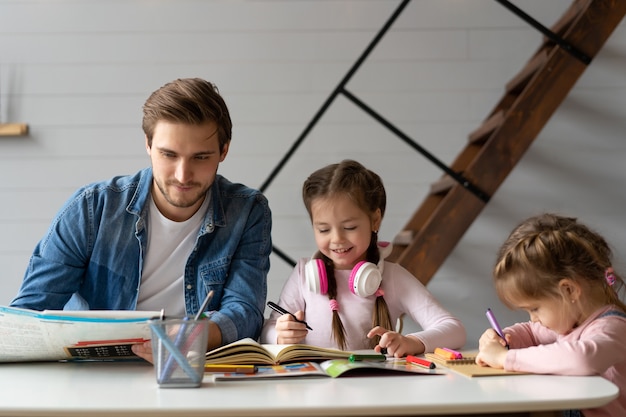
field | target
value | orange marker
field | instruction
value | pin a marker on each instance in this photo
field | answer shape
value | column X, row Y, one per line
column 457, row 355
column 447, row 354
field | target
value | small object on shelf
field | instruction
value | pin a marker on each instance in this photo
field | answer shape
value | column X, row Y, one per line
column 13, row 129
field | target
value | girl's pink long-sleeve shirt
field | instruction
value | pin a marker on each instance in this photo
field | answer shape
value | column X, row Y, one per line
column 403, row 293
column 596, row 347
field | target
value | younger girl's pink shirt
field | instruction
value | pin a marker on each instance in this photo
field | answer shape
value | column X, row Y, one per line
column 596, row 347
column 403, row 293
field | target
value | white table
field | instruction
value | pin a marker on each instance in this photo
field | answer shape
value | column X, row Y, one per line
column 130, row 389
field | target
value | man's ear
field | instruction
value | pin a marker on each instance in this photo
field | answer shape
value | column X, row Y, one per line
column 148, row 148
column 570, row 289
column 224, row 151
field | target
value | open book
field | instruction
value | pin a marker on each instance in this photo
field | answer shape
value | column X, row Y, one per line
column 52, row 335
column 467, row 366
column 249, row 351
column 332, row 368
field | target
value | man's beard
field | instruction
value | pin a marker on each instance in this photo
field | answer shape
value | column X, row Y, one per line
column 180, row 204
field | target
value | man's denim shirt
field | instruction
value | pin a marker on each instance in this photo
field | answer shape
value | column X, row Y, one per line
column 92, row 254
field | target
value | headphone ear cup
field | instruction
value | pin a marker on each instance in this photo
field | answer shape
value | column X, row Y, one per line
column 365, row 279
column 315, row 276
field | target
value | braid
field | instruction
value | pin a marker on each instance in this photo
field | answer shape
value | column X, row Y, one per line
column 339, row 332
column 380, row 314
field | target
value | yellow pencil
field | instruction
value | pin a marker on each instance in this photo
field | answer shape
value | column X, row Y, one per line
column 239, row 369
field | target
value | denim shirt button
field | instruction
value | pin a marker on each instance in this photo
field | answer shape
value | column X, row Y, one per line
column 189, row 286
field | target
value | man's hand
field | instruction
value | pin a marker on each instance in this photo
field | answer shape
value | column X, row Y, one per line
column 144, row 351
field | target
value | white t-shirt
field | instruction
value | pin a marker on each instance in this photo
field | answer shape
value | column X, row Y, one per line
column 169, row 245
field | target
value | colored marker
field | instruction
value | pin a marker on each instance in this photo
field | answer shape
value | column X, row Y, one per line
column 495, row 326
column 239, row 369
column 457, row 355
column 448, row 353
column 378, row 357
column 421, row 362
column 281, row 310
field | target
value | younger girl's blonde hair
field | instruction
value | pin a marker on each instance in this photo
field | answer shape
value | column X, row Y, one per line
column 543, row 250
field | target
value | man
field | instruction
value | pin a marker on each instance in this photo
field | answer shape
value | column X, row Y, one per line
column 167, row 235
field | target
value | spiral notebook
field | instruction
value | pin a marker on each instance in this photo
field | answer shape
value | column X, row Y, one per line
column 467, row 365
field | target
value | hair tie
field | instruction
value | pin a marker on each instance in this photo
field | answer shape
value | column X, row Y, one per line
column 379, row 293
column 609, row 276
column 334, row 305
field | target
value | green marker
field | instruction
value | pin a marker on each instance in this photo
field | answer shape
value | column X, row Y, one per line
column 378, row 357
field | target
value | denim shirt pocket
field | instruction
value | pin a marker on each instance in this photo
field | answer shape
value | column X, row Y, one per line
column 213, row 276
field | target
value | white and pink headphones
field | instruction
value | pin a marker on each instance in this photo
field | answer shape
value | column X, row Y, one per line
column 365, row 277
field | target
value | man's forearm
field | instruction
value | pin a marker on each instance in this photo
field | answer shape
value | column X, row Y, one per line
column 215, row 336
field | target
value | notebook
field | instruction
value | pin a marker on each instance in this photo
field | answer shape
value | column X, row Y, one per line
column 467, row 366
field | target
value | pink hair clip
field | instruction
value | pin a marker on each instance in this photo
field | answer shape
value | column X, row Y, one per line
column 334, row 305
column 609, row 275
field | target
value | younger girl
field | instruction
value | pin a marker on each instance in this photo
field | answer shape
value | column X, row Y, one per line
column 348, row 294
column 560, row 272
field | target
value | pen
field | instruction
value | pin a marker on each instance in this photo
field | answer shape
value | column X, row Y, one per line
column 239, row 369
column 378, row 357
column 281, row 310
column 204, row 305
column 495, row 325
column 421, row 362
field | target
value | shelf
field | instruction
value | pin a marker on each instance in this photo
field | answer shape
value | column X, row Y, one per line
column 13, row 129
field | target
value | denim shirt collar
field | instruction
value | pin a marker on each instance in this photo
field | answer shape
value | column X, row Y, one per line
column 214, row 216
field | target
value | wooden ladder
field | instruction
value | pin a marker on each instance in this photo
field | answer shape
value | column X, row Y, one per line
column 493, row 150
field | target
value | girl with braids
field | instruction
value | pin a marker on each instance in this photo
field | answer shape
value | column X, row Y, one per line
column 561, row 273
column 348, row 293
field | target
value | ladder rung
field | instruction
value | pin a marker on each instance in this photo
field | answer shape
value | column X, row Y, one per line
column 518, row 82
column 492, row 123
column 443, row 185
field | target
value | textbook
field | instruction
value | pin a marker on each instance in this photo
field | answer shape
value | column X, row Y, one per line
column 332, row 368
column 56, row 335
column 250, row 352
column 467, row 366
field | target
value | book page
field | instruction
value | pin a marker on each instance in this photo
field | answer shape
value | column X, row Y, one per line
column 301, row 352
column 27, row 335
column 103, row 315
column 333, row 368
column 241, row 352
column 295, row 369
column 249, row 351
column 392, row 366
